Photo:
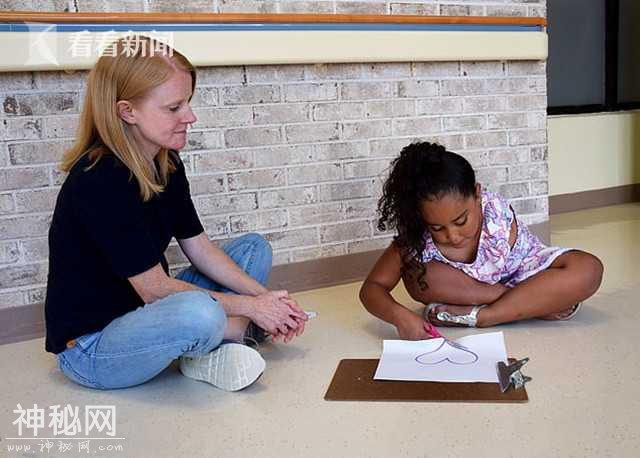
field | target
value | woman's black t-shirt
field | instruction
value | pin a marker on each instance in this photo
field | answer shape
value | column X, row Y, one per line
column 101, row 234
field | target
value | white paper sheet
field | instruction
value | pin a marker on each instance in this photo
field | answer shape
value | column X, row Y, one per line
column 436, row 360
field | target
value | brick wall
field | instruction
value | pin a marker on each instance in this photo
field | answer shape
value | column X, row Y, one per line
column 295, row 152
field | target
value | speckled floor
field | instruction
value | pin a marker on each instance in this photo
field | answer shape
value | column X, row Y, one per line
column 584, row 398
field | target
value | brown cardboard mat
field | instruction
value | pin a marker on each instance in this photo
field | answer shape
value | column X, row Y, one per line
column 353, row 381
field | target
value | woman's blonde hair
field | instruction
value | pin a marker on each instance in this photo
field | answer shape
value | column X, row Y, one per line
column 133, row 66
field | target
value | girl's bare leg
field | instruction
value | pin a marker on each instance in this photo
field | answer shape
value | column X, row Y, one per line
column 571, row 278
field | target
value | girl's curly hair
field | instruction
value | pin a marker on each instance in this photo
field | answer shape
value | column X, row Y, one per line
column 423, row 171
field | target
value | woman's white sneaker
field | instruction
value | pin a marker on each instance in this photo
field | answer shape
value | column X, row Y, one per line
column 230, row 367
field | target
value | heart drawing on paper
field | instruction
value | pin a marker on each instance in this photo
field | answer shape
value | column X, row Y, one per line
column 458, row 355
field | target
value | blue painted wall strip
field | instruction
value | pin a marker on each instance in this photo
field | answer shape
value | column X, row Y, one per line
column 267, row 27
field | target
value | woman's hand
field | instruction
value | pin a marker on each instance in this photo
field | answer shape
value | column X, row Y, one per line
column 412, row 327
column 278, row 314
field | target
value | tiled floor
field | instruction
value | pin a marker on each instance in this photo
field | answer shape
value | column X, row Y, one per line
column 584, row 398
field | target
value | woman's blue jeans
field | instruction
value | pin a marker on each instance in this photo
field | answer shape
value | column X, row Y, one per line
column 139, row 345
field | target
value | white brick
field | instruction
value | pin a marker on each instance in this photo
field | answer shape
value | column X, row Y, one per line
column 439, row 105
column 462, row 87
column 264, row 220
column 492, row 175
column 362, row 208
column 60, row 127
column 283, row 155
column 204, row 97
column 240, row 95
column 363, row 169
column 363, row 7
column 316, row 214
column 55, row 81
column 18, row 81
column 206, row 184
column 37, row 152
column 484, row 104
column 465, row 123
column 508, row 156
column 281, row 257
column 307, row 92
column 13, row 276
column 388, row 70
column 23, row 177
column 281, row 113
column 252, row 136
column 9, row 252
column 292, row 238
column 305, row 7
column 6, row 203
column 366, row 129
column 416, row 126
column 390, row 108
column 274, row 73
column 11, row 299
column 314, row 173
column 41, row 104
column 35, row 249
column 36, row 201
column 507, row 120
column 312, row 132
column 521, row 68
column 223, row 160
column 333, row 72
column 327, row 251
column 539, row 153
column 506, row 10
column 253, row 179
column 527, row 137
column 219, row 75
column 287, row 197
column 461, row 10
column 529, row 172
column 514, row 190
column 20, row 129
column 414, row 9
column 342, row 150
column 347, row 190
column 366, row 90
column 436, row 69
column 203, row 140
column 484, row 140
column 216, row 226
column 234, row 203
column 478, row 69
column 420, row 88
column 539, row 188
column 222, row 117
column 338, row 111
column 527, row 102
column 529, row 206
column 342, row 232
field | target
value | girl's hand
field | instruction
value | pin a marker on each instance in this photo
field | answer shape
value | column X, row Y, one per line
column 277, row 313
column 412, row 327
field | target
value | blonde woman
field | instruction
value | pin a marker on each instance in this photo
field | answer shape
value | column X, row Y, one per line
column 114, row 317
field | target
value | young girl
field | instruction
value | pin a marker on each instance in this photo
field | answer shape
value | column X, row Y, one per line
column 462, row 251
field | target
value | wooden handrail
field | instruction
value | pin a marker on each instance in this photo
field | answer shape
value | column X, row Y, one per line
column 213, row 18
